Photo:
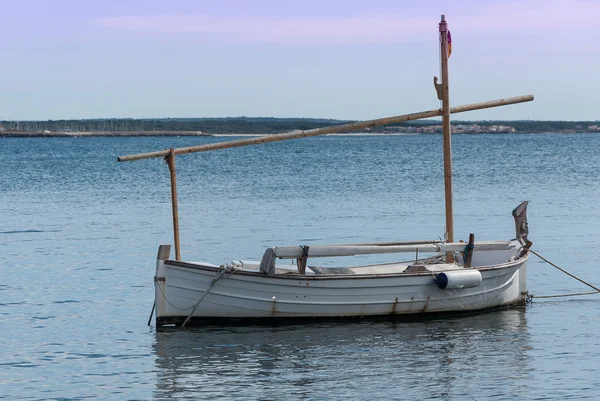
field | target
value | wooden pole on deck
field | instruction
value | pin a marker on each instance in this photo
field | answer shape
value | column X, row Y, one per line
column 447, row 136
column 468, row 258
column 173, row 171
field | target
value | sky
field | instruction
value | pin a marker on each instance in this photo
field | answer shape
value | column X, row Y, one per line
column 342, row 59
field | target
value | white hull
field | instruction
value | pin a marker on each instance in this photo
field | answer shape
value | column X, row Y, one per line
column 243, row 294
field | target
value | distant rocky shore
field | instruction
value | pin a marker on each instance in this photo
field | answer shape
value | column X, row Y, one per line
column 268, row 126
column 425, row 131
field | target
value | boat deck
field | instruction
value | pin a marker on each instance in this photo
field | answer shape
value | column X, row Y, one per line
column 253, row 266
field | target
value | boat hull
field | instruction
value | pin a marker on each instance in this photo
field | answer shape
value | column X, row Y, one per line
column 190, row 290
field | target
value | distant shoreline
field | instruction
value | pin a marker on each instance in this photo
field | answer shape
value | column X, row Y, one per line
column 60, row 134
column 22, row 134
column 256, row 126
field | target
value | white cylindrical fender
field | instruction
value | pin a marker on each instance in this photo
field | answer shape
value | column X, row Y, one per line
column 456, row 279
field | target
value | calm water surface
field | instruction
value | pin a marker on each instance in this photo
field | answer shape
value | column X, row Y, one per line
column 79, row 234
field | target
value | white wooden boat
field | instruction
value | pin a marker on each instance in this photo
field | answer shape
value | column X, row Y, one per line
column 243, row 290
column 289, row 283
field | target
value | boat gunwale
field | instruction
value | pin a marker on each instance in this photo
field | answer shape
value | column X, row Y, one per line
column 295, row 276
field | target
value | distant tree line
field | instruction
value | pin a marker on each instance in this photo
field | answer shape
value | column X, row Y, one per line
column 258, row 125
column 237, row 125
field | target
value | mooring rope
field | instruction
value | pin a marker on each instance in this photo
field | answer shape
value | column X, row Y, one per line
column 169, row 302
column 597, row 290
column 564, row 295
column 229, row 268
column 222, row 270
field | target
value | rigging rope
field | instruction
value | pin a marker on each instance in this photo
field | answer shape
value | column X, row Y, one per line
column 229, row 268
column 223, row 269
column 597, row 290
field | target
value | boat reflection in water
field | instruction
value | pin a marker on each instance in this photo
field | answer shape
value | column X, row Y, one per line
column 365, row 359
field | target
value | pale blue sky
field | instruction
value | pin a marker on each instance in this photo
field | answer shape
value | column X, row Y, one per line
column 332, row 59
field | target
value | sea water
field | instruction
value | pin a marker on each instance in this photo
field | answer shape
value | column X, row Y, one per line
column 79, row 234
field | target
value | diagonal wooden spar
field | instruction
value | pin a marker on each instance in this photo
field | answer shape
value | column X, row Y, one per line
column 169, row 154
column 326, row 130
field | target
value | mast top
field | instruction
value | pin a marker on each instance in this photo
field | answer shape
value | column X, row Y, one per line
column 443, row 24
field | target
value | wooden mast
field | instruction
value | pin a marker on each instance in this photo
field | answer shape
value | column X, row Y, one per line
column 447, row 135
column 171, row 162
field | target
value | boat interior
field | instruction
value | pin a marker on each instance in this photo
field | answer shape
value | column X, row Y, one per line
column 434, row 264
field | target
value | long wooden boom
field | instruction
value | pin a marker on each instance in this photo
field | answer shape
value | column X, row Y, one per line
column 295, row 252
column 327, row 130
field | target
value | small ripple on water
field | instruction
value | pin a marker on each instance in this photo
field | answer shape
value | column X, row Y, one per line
column 92, row 356
column 29, row 231
column 22, row 364
column 13, row 303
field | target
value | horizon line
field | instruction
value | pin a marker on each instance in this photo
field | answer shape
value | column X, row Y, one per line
column 266, row 117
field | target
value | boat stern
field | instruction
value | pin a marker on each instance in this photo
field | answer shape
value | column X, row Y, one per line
column 522, row 230
column 159, row 281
